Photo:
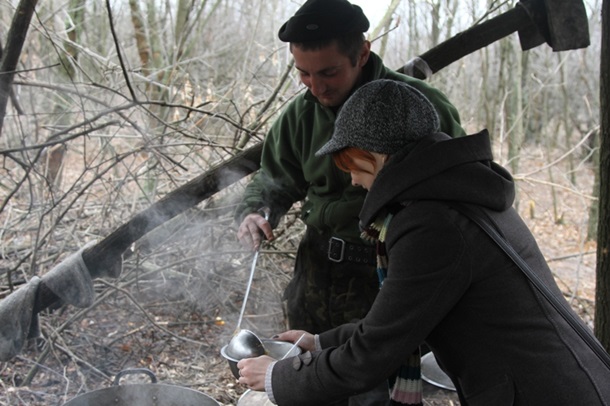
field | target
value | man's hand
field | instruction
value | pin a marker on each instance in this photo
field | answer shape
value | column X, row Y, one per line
column 251, row 230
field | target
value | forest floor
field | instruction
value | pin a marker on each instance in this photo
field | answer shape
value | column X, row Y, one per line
column 174, row 319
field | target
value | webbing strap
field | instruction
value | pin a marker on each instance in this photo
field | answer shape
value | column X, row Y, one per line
column 560, row 306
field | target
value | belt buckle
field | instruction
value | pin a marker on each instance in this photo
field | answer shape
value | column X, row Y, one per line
column 336, row 248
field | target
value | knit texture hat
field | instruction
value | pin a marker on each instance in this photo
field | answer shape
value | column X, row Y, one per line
column 323, row 19
column 382, row 116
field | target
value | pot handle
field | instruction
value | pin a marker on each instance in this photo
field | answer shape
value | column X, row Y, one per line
column 133, row 371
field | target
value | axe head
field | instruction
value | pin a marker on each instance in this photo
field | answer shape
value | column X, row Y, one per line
column 563, row 24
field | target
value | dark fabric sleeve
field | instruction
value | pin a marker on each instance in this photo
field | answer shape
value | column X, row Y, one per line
column 280, row 181
column 421, row 288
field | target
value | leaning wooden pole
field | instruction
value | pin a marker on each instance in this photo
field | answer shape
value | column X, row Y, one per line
column 470, row 40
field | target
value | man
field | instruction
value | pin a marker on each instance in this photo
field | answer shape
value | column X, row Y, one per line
column 335, row 280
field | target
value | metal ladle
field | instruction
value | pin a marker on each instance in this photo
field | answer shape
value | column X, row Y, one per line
column 246, row 344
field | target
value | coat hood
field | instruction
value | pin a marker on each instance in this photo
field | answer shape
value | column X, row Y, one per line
column 441, row 168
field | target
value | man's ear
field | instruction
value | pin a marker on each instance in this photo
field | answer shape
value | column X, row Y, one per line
column 365, row 53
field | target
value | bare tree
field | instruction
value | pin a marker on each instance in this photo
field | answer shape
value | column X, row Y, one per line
column 12, row 52
column 602, row 298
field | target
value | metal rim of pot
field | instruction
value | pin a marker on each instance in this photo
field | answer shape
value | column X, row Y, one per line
column 433, row 374
column 142, row 394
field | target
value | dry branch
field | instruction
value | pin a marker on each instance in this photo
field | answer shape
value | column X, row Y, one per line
column 107, row 254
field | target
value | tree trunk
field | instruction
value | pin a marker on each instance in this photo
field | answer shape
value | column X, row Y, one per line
column 14, row 45
column 435, row 21
column 565, row 117
column 139, row 28
column 602, row 291
column 593, row 222
column 514, row 109
column 384, row 26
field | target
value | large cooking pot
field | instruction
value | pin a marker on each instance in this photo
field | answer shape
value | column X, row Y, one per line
column 150, row 394
column 252, row 398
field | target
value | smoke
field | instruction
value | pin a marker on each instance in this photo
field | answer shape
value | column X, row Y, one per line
column 194, row 259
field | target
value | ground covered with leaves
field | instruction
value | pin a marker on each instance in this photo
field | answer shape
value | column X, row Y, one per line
column 178, row 299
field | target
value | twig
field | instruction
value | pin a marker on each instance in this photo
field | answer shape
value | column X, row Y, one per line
column 78, row 360
column 557, row 185
column 148, row 316
column 118, row 51
column 579, row 254
column 561, row 158
column 55, row 333
column 63, row 140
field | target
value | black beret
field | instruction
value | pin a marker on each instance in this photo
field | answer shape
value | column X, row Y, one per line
column 323, row 19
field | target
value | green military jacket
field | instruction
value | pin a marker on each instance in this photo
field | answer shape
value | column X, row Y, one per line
column 290, row 172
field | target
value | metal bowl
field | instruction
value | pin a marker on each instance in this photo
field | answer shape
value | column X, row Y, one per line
column 274, row 348
column 280, row 349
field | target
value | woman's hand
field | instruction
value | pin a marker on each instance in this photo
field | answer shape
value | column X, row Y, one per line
column 252, row 371
column 307, row 342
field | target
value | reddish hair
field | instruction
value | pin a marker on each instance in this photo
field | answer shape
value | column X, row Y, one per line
column 344, row 159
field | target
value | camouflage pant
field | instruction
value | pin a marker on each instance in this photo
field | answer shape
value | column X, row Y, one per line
column 325, row 294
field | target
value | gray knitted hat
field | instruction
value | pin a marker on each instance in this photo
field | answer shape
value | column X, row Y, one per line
column 382, row 116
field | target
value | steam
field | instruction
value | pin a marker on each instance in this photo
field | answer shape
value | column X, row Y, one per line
column 196, row 260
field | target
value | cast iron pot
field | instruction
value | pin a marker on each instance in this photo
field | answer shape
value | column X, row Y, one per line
column 150, row 394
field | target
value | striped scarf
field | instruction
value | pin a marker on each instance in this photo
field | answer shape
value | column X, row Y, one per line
column 405, row 385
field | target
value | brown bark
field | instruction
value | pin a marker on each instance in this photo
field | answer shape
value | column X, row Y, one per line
column 144, row 50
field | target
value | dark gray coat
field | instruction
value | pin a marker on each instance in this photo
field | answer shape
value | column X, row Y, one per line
column 449, row 285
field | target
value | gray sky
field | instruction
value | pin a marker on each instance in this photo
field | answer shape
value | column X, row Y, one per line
column 374, row 9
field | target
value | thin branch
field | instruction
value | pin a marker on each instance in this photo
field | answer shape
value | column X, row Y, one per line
column 14, row 45
column 561, row 158
column 148, row 316
column 118, row 51
column 63, row 140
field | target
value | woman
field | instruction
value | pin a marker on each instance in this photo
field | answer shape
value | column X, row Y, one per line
column 445, row 282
